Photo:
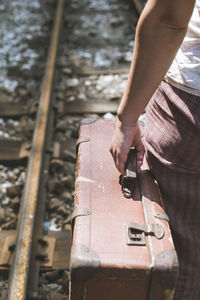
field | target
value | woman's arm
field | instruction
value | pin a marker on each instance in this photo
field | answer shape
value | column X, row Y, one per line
column 159, row 33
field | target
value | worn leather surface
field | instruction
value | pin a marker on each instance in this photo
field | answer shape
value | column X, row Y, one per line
column 103, row 232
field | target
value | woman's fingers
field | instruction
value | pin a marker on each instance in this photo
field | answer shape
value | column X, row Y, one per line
column 140, row 156
column 139, row 148
column 124, row 137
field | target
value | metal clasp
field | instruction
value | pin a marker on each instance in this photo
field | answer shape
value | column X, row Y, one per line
column 161, row 215
column 135, row 236
column 136, row 233
column 81, row 140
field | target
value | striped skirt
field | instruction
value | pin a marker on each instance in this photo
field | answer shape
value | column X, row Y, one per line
column 172, row 142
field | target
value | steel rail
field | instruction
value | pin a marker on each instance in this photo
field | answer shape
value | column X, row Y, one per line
column 18, row 276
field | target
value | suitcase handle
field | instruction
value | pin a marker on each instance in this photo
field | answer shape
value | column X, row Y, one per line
column 127, row 182
column 131, row 163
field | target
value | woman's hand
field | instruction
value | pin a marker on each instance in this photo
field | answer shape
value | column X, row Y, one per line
column 125, row 136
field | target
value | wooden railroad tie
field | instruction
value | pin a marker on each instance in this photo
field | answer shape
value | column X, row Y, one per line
column 87, row 107
column 53, row 249
column 12, row 152
column 16, row 110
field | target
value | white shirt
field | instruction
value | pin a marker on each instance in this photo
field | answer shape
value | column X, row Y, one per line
column 184, row 73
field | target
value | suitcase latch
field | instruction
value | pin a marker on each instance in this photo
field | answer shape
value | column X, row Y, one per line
column 136, row 233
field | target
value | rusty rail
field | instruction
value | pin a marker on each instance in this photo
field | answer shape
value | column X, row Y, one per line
column 18, row 277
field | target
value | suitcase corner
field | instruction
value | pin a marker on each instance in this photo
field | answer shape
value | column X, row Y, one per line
column 84, row 263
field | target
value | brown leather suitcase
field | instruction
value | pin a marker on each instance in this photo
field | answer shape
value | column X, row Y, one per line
column 122, row 247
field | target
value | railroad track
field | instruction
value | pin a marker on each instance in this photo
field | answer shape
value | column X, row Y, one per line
column 20, row 269
column 28, row 240
column 27, row 250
